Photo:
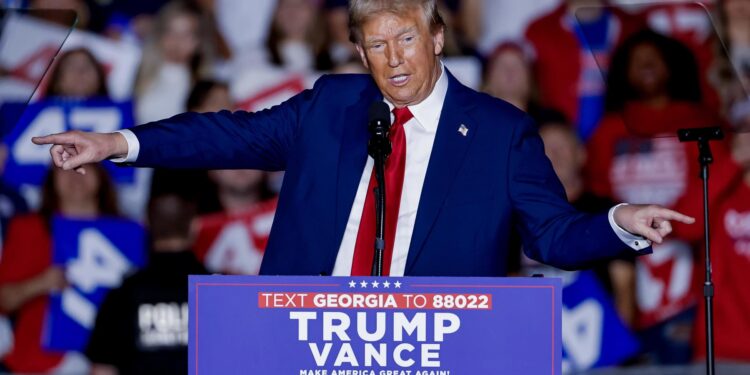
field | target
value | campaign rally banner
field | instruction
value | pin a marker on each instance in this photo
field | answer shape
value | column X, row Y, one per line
column 27, row 163
column 96, row 254
column 234, row 243
column 374, row 325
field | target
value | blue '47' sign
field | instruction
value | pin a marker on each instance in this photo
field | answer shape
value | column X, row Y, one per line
column 28, row 163
column 593, row 334
column 96, row 254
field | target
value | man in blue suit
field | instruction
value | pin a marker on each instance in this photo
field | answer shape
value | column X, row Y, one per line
column 473, row 167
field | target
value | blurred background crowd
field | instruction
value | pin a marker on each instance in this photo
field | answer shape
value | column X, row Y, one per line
column 608, row 82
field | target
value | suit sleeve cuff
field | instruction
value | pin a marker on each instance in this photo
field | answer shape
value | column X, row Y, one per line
column 134, row 147
column 633, row 241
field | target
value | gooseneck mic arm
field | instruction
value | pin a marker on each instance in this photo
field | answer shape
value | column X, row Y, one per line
column 379, row 147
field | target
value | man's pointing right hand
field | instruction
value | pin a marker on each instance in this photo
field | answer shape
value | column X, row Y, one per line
column 74, row 149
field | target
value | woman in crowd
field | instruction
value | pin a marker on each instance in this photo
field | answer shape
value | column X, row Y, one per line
column 174, row 57
column 77, row 75
column 295, row 41
column 653, row 89
column 509, row 76
column 27, row 274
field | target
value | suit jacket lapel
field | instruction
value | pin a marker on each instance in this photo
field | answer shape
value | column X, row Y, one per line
column 446, row 159
column 352, row 160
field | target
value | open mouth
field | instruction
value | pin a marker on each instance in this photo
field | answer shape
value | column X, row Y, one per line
column 399, row 80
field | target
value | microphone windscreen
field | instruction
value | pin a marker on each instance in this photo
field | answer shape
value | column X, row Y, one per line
column 379, row 112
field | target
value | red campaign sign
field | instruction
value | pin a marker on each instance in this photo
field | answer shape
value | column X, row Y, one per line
column 272, row 95
column 28, row 69
column 658, row 175
column 34, row 43
column 234, row 243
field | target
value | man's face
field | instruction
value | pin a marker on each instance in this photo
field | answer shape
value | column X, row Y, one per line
column 402, row 55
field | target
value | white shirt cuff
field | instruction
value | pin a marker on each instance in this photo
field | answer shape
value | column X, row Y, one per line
column 134, row 147
column 634, row 241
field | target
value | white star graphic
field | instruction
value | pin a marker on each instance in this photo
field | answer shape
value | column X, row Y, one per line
column 375, row 284
column 397, row 284
column 363, row 284
column 386, row 284
column 352, row 284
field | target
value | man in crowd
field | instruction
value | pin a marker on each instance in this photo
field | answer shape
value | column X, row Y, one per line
column 474, row 169
column 142, row 326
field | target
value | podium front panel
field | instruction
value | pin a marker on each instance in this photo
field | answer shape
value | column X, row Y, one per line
column 374, row 326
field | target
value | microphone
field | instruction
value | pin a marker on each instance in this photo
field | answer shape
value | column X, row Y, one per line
column 379, row 123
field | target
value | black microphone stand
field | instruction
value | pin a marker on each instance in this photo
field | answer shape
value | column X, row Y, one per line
column 703, row 136
column 377, row 262
column 379, row 147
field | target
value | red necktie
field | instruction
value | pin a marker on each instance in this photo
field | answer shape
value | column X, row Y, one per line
column 394, row 182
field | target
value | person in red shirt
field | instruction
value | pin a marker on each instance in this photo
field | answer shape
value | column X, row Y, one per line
column 27, row 275
column 691, row 24
column 652, row 90
column 234, row 239
column 572, row 45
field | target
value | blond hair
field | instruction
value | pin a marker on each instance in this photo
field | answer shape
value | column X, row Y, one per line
column 361, row 10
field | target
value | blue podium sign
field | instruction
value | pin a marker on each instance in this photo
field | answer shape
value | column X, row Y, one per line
column 374, row 326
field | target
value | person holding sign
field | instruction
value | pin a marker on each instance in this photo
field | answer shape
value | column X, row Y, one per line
column 27, row 273
column 465, row 168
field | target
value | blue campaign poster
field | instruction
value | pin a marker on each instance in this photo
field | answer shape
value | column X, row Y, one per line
column 28, row 163
column 373, row 325
column 97, row 255
column 593, row 334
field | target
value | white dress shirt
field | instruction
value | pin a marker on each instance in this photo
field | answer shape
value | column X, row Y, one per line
column 420, row 135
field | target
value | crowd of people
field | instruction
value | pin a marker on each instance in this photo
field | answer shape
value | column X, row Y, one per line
column 608, row 83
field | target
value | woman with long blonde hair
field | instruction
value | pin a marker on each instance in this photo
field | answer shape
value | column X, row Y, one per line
column 174, row 57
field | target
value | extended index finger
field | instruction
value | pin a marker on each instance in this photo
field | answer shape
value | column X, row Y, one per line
column 668, row 214
column 54, row 139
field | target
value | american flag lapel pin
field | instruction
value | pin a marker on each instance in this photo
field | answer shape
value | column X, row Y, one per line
column 463, row 130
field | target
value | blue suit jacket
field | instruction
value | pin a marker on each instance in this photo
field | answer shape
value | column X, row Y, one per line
column 477, row 187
